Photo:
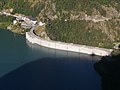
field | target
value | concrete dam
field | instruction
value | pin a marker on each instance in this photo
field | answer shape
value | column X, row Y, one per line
column 34, row 39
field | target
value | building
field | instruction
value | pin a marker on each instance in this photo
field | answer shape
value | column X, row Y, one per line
column 41, row 24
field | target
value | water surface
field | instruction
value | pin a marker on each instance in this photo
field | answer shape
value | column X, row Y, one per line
column 24, row 66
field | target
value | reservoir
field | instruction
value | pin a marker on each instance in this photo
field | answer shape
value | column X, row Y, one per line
column 24, row 66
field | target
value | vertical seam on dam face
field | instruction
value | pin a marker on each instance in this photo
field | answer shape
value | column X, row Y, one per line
column 31, row 37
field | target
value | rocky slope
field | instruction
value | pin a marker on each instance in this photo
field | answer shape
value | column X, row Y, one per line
column 100, row 19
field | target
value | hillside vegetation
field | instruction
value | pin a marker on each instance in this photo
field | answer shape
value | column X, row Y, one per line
column 67, row 20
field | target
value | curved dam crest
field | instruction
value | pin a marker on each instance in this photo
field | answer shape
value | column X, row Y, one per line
column 31, row 37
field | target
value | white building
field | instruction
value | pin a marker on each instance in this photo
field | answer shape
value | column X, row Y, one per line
column 41, row 24
column 14, row 22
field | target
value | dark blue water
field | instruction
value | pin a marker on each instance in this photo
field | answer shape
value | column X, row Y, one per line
column 24, row 66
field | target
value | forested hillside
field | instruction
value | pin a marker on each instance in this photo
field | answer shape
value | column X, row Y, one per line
column 89, row 22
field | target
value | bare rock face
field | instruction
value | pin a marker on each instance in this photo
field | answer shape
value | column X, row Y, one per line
column 110, row 11
column 34, row 2
column 105, row 28
column 95, row 12
column 48, row 11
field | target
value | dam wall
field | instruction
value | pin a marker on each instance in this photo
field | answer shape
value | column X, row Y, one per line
column 34, row 39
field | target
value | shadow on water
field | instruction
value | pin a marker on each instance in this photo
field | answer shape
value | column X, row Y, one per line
column 109, row 70
column 24, row 66
column 52, row 74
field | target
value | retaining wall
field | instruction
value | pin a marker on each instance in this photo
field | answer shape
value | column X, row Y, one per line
column 31, row 37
